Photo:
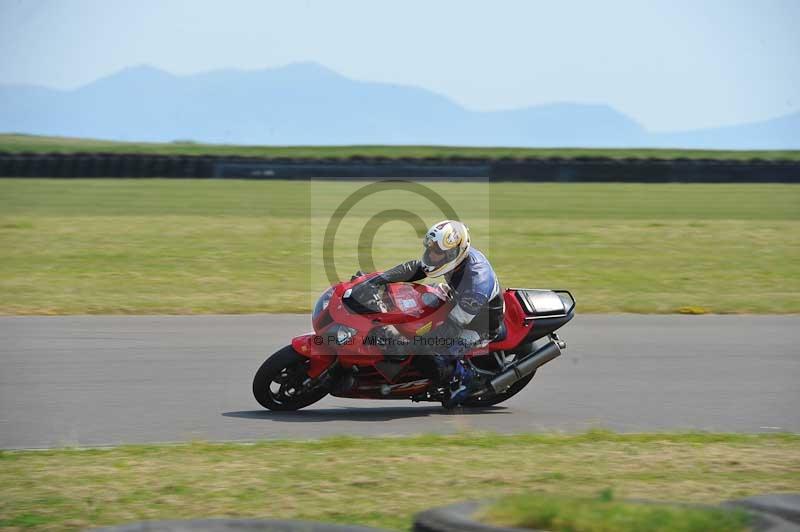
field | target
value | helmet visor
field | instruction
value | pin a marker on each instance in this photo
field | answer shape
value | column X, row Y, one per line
column 435, row 257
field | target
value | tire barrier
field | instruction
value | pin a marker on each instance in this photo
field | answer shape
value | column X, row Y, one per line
column 553, row 169
column 454, row 518
column 647, row 170
column 769, row 513
column 785, row 506
column 234, row 525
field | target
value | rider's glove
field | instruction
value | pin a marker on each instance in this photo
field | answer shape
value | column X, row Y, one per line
column 365, row 291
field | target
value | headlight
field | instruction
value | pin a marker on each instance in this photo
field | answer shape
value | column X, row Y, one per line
column 322, row 303
column 344, row 334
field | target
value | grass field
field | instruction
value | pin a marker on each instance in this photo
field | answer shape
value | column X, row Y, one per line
column 380, row 481
column 210, row 246
column 16, row 143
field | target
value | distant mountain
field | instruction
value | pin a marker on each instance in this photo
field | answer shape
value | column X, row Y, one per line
column 305, row 103
column 781, row 133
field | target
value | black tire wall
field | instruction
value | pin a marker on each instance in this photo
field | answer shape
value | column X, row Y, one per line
column 582, row 169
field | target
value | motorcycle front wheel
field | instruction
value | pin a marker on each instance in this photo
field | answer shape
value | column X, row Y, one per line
column 278, row 384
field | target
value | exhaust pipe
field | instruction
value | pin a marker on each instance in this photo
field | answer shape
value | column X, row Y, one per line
column 526, row 366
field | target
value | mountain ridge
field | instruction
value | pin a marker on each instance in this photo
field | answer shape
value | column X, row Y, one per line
column 309, row 104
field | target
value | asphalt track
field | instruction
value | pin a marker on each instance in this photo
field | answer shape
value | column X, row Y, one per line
column 104, row 380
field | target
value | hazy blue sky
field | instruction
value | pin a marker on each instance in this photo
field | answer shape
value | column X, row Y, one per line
column 668, row 64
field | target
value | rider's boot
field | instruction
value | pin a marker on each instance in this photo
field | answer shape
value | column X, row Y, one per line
column 461, row 385
column 445, row 368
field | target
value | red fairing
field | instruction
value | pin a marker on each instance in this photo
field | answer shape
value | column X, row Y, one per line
column 516, row 326
column 321, row 356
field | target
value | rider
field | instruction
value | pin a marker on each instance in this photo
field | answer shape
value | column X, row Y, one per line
column 476, row 317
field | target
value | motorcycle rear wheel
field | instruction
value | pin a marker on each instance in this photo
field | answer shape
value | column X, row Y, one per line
column 278, row 382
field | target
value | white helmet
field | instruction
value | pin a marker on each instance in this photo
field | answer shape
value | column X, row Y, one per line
column 446, row 245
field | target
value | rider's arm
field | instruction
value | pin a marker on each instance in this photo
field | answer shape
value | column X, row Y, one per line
column 466, row 308
column 405, row 272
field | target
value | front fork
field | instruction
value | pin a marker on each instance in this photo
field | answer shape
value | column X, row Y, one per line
column 324, row 379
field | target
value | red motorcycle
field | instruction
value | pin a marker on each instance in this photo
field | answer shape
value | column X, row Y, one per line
column 365, row 348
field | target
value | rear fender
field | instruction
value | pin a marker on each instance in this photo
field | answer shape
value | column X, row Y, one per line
column 310, row 346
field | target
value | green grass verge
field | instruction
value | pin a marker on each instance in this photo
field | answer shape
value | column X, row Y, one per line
column 380, row 481
column 211, row 246
column 603, row 514
column 16, row 143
